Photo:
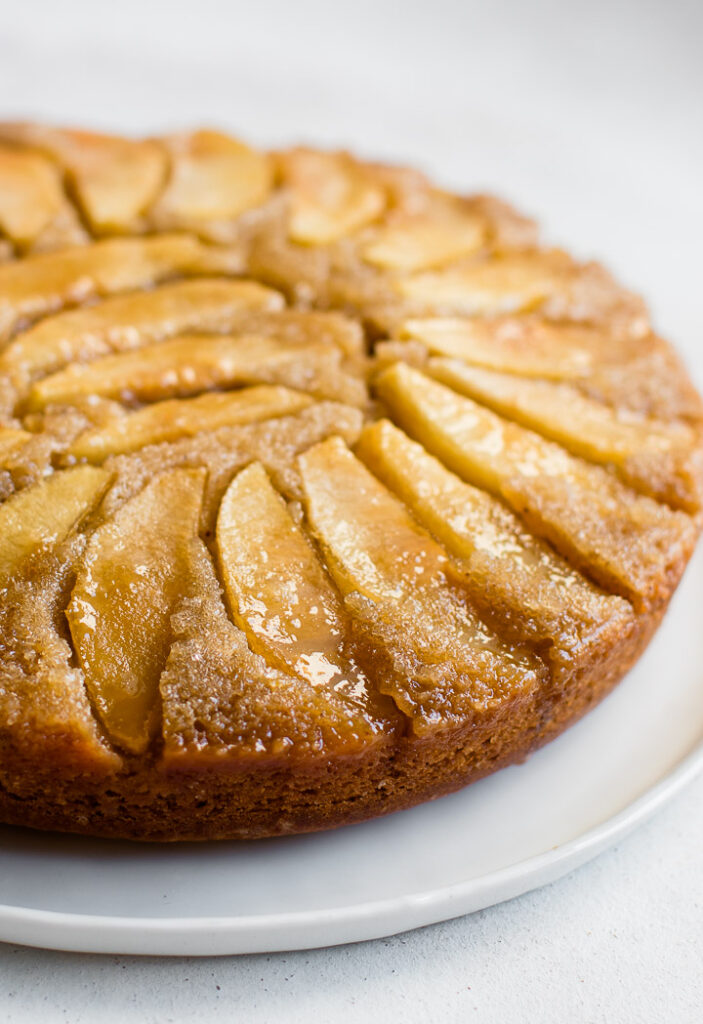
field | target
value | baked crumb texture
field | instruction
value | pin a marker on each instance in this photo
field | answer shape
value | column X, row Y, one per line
column 323, row 491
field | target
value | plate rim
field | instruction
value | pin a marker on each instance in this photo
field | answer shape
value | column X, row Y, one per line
column 300, row 930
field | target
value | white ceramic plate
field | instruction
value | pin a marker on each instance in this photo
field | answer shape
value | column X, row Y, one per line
column 510, row 833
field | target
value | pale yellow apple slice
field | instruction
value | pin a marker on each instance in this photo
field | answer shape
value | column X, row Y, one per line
column 115, row 179
column 132, row 575
column 126, row 322
column 31, row 195
column 660, row 459
column 297, row 326
column 410, row 241
column 277, row 590
column 12, row 439
column 186, row 365
column 213, row 177
column 443, row 663
column 330, row 196
column 221, row 699
column 625, row 541
column 42, row 516
column 170, row 420
column 521, row 583
column 637, row 372
column 531, row 348
column 49, row 282
column 224, row 452
column 502, row 284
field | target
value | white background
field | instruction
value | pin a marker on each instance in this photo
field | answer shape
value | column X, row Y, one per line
column 589, row 116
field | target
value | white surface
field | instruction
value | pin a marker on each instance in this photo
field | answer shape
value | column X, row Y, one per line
column 618, row 942
column 509, row 833
column 587, row 116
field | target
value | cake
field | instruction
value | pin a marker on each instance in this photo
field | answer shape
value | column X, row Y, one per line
column 323, row 491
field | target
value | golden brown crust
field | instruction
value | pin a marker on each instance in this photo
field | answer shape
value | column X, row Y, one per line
column 218, row 801
column 487, row 574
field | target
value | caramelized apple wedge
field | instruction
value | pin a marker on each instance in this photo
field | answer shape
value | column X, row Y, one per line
column 521, row 345
column 44, row 706
column 133, row 574
column 12, row 439
column 127, row 322
column 227, row 450
column 298, row 326
column 409, row 241
column 222, row 699
column 638, row 373
column 330, row 196
column 508, row 283
column 42, row 516
column 520, row 583
column 170, row 420
column 114, row 179
column 33, row 206
column 51, row 281
column 193, row 363
column 443, row 662
column 214, row 178
column 626, row 542
column 277, row 590
column 659, row 459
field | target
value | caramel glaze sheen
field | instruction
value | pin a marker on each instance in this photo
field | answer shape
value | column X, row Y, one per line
column 483, row 467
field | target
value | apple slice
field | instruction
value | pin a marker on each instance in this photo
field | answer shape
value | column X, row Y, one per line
column 45, row 715
column 12, row 440
column 213, row 178
column 42, row 516
column 33, row 206
column 189, row 364
column 126, row 322
column 637, row 372
column 410, row 241
column 133, row 574
column 48, row 282
column 277, row 590
column 167, row 421
column 399, row 584
column 660, row 459
column 221, row 699
column 531, row 348
column 626, row 542
column 331, row 196
column 114, row 179
column 297, row 326
column 502, row 284
column 227, row 450
column 531, row 593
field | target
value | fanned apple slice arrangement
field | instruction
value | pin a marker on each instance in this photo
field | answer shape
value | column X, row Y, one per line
column 323, row 491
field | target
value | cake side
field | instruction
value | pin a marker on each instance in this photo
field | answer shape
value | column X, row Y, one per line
column 211, row 800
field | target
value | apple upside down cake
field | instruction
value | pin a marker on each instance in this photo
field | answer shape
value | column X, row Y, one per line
column 323, row 491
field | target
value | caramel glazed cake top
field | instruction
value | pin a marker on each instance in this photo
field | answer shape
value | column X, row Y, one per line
column 324, row 491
